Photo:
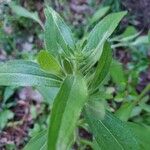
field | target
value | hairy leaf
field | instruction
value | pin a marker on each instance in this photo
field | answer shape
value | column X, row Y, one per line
column 25, row 73
column 57, row 33
column 103, row 30
column 99, row 35
column 65, row 112
column 110, row 132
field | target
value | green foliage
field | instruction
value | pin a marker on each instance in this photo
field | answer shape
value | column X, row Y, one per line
column 130, row 38
column 142, row 133
column 22, row 12
column 110, row 132
column 48, row 63
column 66, row 111
column 58, row 37
column 71, row 75
column 38, row 141
column 141, row 40
column 125, row 110
column 99, row 35
column 102, row 67
column 99, row 14
column 117, row 74
column 9, row 91
column 25, row 73
column 130, row 31
column 5, row 115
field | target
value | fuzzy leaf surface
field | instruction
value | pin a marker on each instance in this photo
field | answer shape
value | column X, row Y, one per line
column 65, row 112
column 110, row 132
column 26, row 73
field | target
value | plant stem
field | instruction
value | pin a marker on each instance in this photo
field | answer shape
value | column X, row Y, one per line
column 146, row 89
column 86, row 142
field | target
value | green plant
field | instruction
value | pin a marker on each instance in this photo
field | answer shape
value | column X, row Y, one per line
column 78, row 70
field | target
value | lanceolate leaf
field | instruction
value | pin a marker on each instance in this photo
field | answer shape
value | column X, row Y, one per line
column 103, row 30
column 99, row 14
column 99, row 35
column 25, row 73
column 103, row 65
column 50, row 34
column 22, row 12
column 65, row 112
column 38, row 142
column 110, row 132
column 48, row 62
column 57, row 33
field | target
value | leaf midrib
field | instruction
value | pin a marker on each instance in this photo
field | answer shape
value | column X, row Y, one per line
column 111, row 134
column 58, row 27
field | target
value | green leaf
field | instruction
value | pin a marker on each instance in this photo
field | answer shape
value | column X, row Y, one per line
column 103, row 65
column 103, row 30
column 117, row 74
column 110, row 132
column 22, row 12
column 57, row 33
column 142, row 133
column 141, row 40
column 25, row 73
column 67, row 66
column 97, row 107
column 9, row 91
column 5, row 115
column 125, row 110
column 144, row 105
column 95, row 145
column 65, row 112
column 38, row 142
column 130, row 31
column 48, row 62
column 99, row 14
column 98, row 37
column 50, row 34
